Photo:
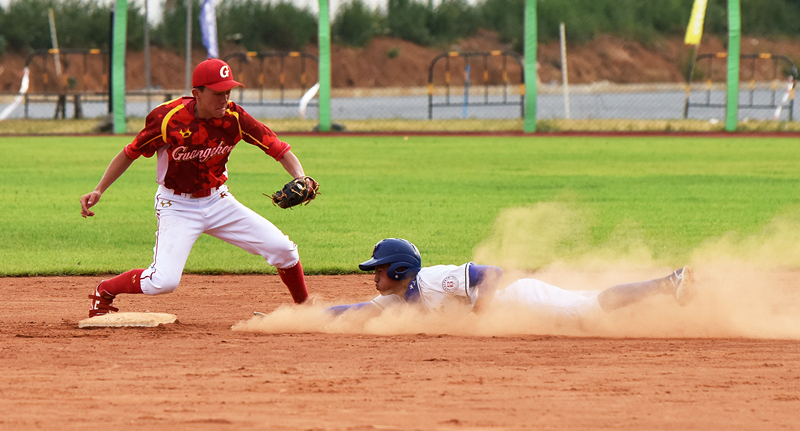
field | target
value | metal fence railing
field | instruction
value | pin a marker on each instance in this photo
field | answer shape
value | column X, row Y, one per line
column 66, row 77
column 273, row 79
column 485, row 82
column 768, row 86
column 471, row 85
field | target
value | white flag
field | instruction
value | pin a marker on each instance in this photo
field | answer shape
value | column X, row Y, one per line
column 17, row 100
column 208, row 24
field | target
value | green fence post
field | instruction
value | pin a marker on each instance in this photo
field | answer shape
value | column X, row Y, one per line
column 118, row 68
column 324, row 37
column 734, row 52
column 530, row 66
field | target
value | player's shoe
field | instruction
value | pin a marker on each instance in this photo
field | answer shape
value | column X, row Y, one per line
column 101, row 302
column 685, row 287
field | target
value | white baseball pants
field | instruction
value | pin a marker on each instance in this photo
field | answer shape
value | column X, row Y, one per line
column 182, row 219
column 548, row 299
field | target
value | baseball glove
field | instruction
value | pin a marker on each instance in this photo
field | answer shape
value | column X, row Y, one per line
column 295, row 192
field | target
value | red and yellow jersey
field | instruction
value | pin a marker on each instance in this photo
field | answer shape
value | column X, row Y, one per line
column 193, row 152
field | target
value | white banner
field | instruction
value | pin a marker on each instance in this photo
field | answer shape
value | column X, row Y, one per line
column 208, row 24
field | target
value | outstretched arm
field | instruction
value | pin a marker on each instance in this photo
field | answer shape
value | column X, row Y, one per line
column 485, row 279
column 292, row 165
column 339, row 309
column 376, row 306
column 117, row 167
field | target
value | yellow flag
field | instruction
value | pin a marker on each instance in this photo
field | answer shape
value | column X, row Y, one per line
column 695, row 29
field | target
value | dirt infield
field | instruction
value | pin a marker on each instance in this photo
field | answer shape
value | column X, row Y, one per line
column 199, row 374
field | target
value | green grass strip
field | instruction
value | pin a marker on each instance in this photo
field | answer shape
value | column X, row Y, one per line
column 455, row 197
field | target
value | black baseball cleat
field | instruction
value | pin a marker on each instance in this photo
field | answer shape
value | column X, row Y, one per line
column 685, row 287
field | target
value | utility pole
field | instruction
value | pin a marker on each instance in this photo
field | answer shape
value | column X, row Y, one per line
column 188, row 47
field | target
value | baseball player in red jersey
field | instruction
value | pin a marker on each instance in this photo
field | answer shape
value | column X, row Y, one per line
column 192, row 137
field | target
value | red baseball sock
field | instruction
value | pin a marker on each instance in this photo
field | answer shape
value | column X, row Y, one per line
column 127, row 282
column 294, row 279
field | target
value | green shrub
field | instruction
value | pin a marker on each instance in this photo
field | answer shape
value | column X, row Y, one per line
column 171, row 31
column 633, row 19
column 25, row 25
column 355, row 24
column 453, row 20
column 86, row 24
column 771, row 17
column 242, row 22
column 263, row 25
column 408, row 20
column 291, row 28
column 506, row 17
column 80, row 24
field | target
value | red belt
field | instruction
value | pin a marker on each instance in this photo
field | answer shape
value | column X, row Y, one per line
column 198, row 194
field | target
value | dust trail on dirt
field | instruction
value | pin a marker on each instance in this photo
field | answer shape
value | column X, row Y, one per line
column 747, row 286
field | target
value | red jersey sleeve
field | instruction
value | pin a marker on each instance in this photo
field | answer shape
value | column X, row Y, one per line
column 256, row 133
column 151, row 137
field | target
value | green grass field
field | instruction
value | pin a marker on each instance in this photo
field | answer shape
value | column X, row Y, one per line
column 530, row 200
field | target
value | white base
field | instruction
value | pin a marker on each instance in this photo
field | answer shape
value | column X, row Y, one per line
column 118, row 320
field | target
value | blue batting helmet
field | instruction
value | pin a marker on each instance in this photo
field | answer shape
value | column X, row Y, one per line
column 401, row 254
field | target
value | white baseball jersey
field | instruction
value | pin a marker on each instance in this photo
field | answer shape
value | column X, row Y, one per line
column 437, row 286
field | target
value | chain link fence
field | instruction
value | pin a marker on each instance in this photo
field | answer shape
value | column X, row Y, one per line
column 766, row 92
column 466, row 91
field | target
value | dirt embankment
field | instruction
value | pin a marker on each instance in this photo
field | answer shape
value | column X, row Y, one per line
column 388, row 62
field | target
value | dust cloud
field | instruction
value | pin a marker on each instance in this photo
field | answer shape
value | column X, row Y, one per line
column 747, row 286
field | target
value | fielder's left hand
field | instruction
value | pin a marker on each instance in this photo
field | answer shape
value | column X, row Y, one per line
column 88, row 201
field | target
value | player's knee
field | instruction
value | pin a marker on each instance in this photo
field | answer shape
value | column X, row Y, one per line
column 158, row 285
column 285, row 257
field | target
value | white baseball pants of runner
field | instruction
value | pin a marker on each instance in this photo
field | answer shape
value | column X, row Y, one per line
column 182, row 219
column 548, row 299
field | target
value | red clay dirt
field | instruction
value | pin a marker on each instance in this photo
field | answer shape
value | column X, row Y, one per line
column 198, row 374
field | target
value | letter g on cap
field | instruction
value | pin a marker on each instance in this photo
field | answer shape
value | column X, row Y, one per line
column 225, row 71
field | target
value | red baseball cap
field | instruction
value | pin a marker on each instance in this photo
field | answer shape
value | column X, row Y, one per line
column 214, row 74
